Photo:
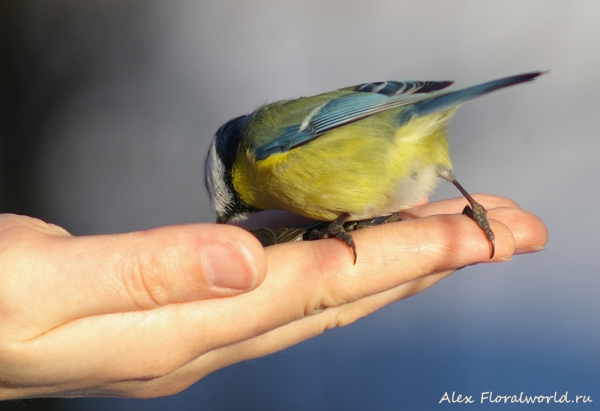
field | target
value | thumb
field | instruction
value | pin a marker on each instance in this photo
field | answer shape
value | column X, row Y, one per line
column 60, row 278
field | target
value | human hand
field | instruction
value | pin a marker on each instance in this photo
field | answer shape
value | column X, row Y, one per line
column 73, row 327
column 78, row 314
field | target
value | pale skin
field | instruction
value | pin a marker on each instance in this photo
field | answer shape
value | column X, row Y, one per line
column 135, row 315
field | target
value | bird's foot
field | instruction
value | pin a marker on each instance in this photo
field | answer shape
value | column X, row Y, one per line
column 339, row 228
column 335, row 229
column 475, row 212
column 373, row 222
column 479, row 214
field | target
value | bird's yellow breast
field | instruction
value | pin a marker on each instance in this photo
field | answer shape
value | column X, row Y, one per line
column 367, row 168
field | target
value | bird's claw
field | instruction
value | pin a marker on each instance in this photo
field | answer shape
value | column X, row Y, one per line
column 477, row 213
column 339, row 228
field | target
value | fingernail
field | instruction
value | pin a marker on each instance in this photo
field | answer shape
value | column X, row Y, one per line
column 529, row 250
column 229, row 266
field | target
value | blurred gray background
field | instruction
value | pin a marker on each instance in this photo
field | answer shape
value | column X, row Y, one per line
column 108, row 107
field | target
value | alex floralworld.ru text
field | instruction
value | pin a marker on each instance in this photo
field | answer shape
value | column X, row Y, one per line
column 488, row 396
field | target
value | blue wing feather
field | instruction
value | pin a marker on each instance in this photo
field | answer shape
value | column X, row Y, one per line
column 393, row 88
column 335, row 113
column 369, row 99
column 290, row 137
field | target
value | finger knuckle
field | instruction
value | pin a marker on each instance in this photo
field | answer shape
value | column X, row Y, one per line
column 142, row 280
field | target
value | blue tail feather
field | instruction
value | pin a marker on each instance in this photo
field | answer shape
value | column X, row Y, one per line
column 447, row 101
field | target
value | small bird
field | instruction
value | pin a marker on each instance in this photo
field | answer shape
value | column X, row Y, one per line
column 346, row 155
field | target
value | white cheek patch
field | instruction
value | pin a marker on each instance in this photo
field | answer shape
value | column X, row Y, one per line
column 238, row 218
column 214, row 170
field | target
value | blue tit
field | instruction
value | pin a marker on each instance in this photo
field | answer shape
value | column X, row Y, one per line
column 350, row 154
